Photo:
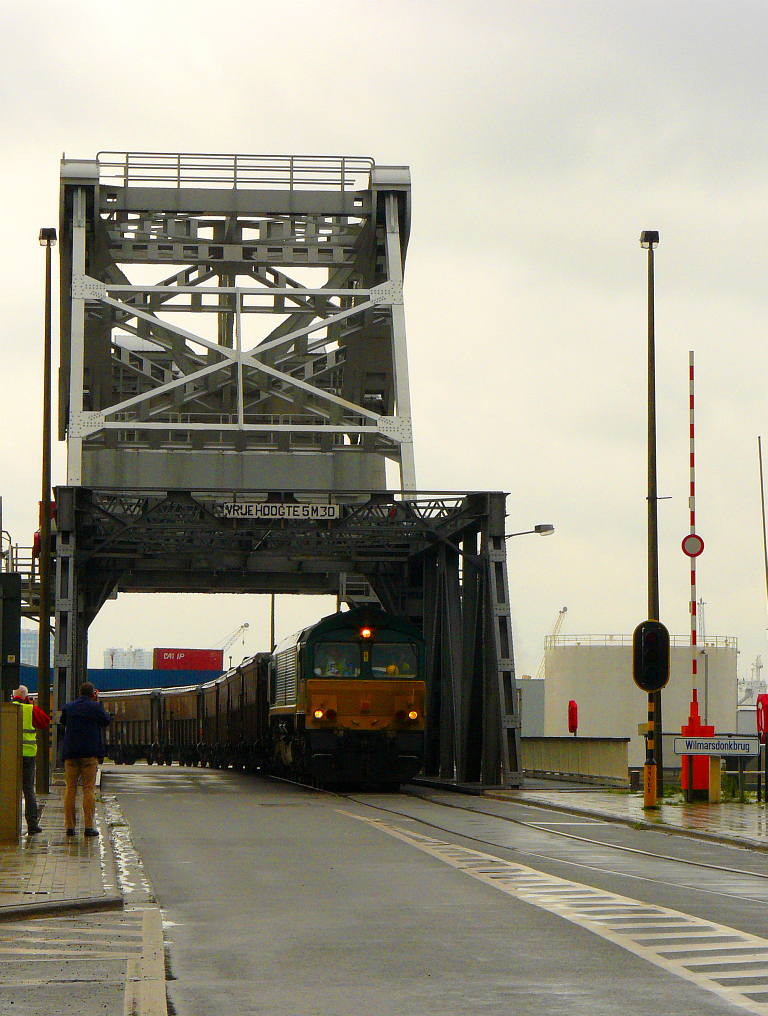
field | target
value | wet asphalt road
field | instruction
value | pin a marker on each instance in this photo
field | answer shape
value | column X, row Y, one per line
column 280, row 900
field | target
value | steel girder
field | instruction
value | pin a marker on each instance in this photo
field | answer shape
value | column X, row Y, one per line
column 263, row 342
column 439, row 559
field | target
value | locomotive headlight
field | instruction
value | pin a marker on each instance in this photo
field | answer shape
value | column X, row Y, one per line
column 318, row 714
column 365, row 633
column 413, row 715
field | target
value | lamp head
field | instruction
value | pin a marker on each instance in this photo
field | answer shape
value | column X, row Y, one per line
column 649, row 239
column 546, row 529
column 47, row 237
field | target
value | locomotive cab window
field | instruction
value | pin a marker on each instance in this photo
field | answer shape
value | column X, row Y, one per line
column 337, row 659
column 395, row 660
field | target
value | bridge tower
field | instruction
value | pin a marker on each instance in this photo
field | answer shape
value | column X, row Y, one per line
column 234, row 381
column 260, row 342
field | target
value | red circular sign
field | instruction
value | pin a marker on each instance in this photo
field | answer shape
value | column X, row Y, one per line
column 693, row 545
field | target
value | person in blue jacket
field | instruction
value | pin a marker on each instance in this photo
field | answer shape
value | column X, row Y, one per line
column 83, row 749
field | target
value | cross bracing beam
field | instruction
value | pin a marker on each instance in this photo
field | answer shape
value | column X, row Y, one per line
column 313, row 249
column 438, row 558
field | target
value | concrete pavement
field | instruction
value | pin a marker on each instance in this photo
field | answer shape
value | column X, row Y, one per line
column 741, row 825
column 72, row 926
column 67, row 932
column 53, row 873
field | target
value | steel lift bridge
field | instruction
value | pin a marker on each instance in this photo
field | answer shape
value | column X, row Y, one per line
column 234, row 381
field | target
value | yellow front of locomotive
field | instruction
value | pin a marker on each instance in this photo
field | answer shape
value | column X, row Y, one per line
column 364, row 705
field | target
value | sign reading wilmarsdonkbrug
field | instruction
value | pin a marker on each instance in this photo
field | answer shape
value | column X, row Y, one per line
column 275, row 510
column 718, row 744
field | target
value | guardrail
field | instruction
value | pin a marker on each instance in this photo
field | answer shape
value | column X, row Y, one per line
column 17, row 559
column 598, row 760
column 271, row 172
column 679, row 641
column 21, row 560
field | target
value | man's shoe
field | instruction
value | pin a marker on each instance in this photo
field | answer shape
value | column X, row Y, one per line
column 34, row 829
column 70, row 832
column 88, row 831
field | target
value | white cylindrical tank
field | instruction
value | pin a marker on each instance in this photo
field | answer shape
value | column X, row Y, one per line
column 596, row 672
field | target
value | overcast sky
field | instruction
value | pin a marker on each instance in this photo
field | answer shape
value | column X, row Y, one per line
column 542, row 138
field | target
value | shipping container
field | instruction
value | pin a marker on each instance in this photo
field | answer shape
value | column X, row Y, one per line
column 188, row 659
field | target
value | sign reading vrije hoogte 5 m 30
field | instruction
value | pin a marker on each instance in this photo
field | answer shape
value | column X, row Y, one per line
column 273, row 510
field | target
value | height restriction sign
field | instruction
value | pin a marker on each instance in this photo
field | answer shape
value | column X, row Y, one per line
column 693, row 545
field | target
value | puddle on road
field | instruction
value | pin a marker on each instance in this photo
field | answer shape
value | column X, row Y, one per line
column 134, row 884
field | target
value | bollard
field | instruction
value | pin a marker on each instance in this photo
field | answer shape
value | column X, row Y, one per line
column 714, row 779
column 649, row 784
column 650, row 775
column 10, row 771
column 759, row 780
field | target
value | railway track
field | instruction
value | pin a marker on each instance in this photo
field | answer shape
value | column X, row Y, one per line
column 640, row 855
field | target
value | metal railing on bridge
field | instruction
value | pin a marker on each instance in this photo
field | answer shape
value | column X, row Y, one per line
column 270, row 172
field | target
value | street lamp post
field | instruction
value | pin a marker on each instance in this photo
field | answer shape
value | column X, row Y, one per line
column 48, row 240
column 546, row 529
column 649, row 240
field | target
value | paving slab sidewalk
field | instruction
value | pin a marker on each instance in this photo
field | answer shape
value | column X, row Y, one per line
column 743, row 825
column 52, row 871
column 65, row 929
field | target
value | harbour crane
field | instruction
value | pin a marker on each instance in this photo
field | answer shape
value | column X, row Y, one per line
column 230, row 640
column 555, row 631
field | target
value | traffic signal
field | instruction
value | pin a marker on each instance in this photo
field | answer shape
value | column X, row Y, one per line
column 650, row 656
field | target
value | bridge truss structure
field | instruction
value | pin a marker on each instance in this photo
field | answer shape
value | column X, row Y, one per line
column 264, row 322
column 230, row 410
column 439, row 559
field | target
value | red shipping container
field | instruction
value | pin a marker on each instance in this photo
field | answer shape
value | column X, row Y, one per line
column 188, row 659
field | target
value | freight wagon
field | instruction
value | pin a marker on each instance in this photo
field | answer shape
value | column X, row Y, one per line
column 341, row 701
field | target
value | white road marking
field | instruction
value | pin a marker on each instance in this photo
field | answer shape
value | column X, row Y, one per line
column 626, row 922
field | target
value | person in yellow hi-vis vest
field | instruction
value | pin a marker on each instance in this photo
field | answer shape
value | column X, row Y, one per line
column 34, row 719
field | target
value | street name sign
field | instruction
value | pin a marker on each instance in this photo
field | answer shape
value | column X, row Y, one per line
column 718, row 744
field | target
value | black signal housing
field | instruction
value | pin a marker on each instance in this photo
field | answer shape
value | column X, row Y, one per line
column 650, row 656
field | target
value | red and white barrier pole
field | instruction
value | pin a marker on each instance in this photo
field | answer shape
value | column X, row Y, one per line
column 692, row 547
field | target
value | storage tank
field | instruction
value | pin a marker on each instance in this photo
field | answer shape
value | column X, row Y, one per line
column 596, row 672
